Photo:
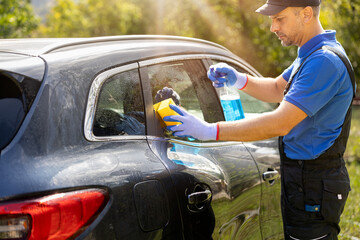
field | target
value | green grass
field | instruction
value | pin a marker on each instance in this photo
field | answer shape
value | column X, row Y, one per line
column 353, row 147
column 350, row 219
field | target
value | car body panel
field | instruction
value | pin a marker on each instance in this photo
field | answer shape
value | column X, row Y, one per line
column 266, row 155
column 30, row 66
column 231, row 174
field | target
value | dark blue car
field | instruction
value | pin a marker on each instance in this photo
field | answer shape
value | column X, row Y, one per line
column 83, row 154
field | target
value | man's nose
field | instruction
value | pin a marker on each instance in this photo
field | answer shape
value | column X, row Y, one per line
column 274, row 27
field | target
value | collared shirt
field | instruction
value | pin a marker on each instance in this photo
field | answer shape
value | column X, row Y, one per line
column 323, row 90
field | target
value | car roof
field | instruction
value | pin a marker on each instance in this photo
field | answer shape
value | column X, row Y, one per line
column 40, row 46
column 34, row 53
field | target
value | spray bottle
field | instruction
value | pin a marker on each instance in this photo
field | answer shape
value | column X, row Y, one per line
column 231, row 103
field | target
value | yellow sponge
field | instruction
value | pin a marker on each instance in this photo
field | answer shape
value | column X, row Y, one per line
column 163, row 109
column 156, row 106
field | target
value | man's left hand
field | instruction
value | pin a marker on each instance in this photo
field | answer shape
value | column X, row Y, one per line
column 166, row 93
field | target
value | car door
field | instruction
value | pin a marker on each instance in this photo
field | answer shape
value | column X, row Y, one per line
column 144, row 203
column 217, row 183
column 266, row 155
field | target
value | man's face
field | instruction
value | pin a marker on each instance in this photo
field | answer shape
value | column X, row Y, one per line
column 288, row 26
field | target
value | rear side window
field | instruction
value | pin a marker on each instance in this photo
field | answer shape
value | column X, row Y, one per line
column 16, row 96
column 120, row 108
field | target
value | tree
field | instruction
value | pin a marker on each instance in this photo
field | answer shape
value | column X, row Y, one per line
column 232, row 23
column 16, row 19
column 85, row 18
column 263, row 50
column 88, row 18
column 343, row 15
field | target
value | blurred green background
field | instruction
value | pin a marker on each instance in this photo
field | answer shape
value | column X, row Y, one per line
column 231, row 23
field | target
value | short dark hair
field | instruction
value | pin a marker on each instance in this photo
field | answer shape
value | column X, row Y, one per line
column 316, row 10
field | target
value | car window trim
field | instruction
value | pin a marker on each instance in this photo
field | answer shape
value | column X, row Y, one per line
column 102, row 77
column 93, row 100
column 236, row 61
column 198, row 144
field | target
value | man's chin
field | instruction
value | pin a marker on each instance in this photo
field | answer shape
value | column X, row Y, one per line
column 286, row 44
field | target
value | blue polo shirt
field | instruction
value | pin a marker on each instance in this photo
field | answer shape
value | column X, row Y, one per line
column 322, row 89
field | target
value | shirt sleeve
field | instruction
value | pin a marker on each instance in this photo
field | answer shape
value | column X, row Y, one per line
column 315, row 85
column 287, row 72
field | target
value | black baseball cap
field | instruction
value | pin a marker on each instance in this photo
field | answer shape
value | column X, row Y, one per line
column 272, row 7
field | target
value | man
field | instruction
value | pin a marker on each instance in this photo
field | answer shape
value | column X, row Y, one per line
column 313, row 116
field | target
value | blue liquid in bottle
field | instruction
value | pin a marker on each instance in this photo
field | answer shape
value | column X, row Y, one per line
column 231, row 104
column 233, row 109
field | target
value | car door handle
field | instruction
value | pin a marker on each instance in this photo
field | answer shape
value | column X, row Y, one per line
column 270, row 175
column 199, row 197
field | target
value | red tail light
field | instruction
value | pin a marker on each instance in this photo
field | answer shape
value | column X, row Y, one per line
column 57, row 216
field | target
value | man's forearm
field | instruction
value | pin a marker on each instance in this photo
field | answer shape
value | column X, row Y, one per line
column 266, row 125
column 250, row 129
column 265, row 89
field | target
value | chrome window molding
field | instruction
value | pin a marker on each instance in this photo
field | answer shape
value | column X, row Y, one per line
column 205, row 144
column 154, row 61
column 237, row 61
column 92, row 102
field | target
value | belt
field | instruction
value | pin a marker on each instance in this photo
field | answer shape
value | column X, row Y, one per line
column 318, row 163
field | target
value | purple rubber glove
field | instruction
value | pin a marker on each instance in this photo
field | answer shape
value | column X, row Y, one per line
column 191, row 126
column 166, row 93
column 222, row 73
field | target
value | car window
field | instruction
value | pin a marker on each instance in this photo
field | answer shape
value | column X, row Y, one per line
column 120, row 107
column 249, row 103
column 189, row 80
column 17, row 94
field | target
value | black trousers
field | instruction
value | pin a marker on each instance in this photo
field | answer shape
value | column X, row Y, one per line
column 313, row 196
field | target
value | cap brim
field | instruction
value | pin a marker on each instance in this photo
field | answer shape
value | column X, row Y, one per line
column 270, row 9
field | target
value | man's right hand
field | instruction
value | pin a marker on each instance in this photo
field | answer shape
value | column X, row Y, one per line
column 223, row 73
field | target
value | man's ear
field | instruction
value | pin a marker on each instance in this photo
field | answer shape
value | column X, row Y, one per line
column 307, row 14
